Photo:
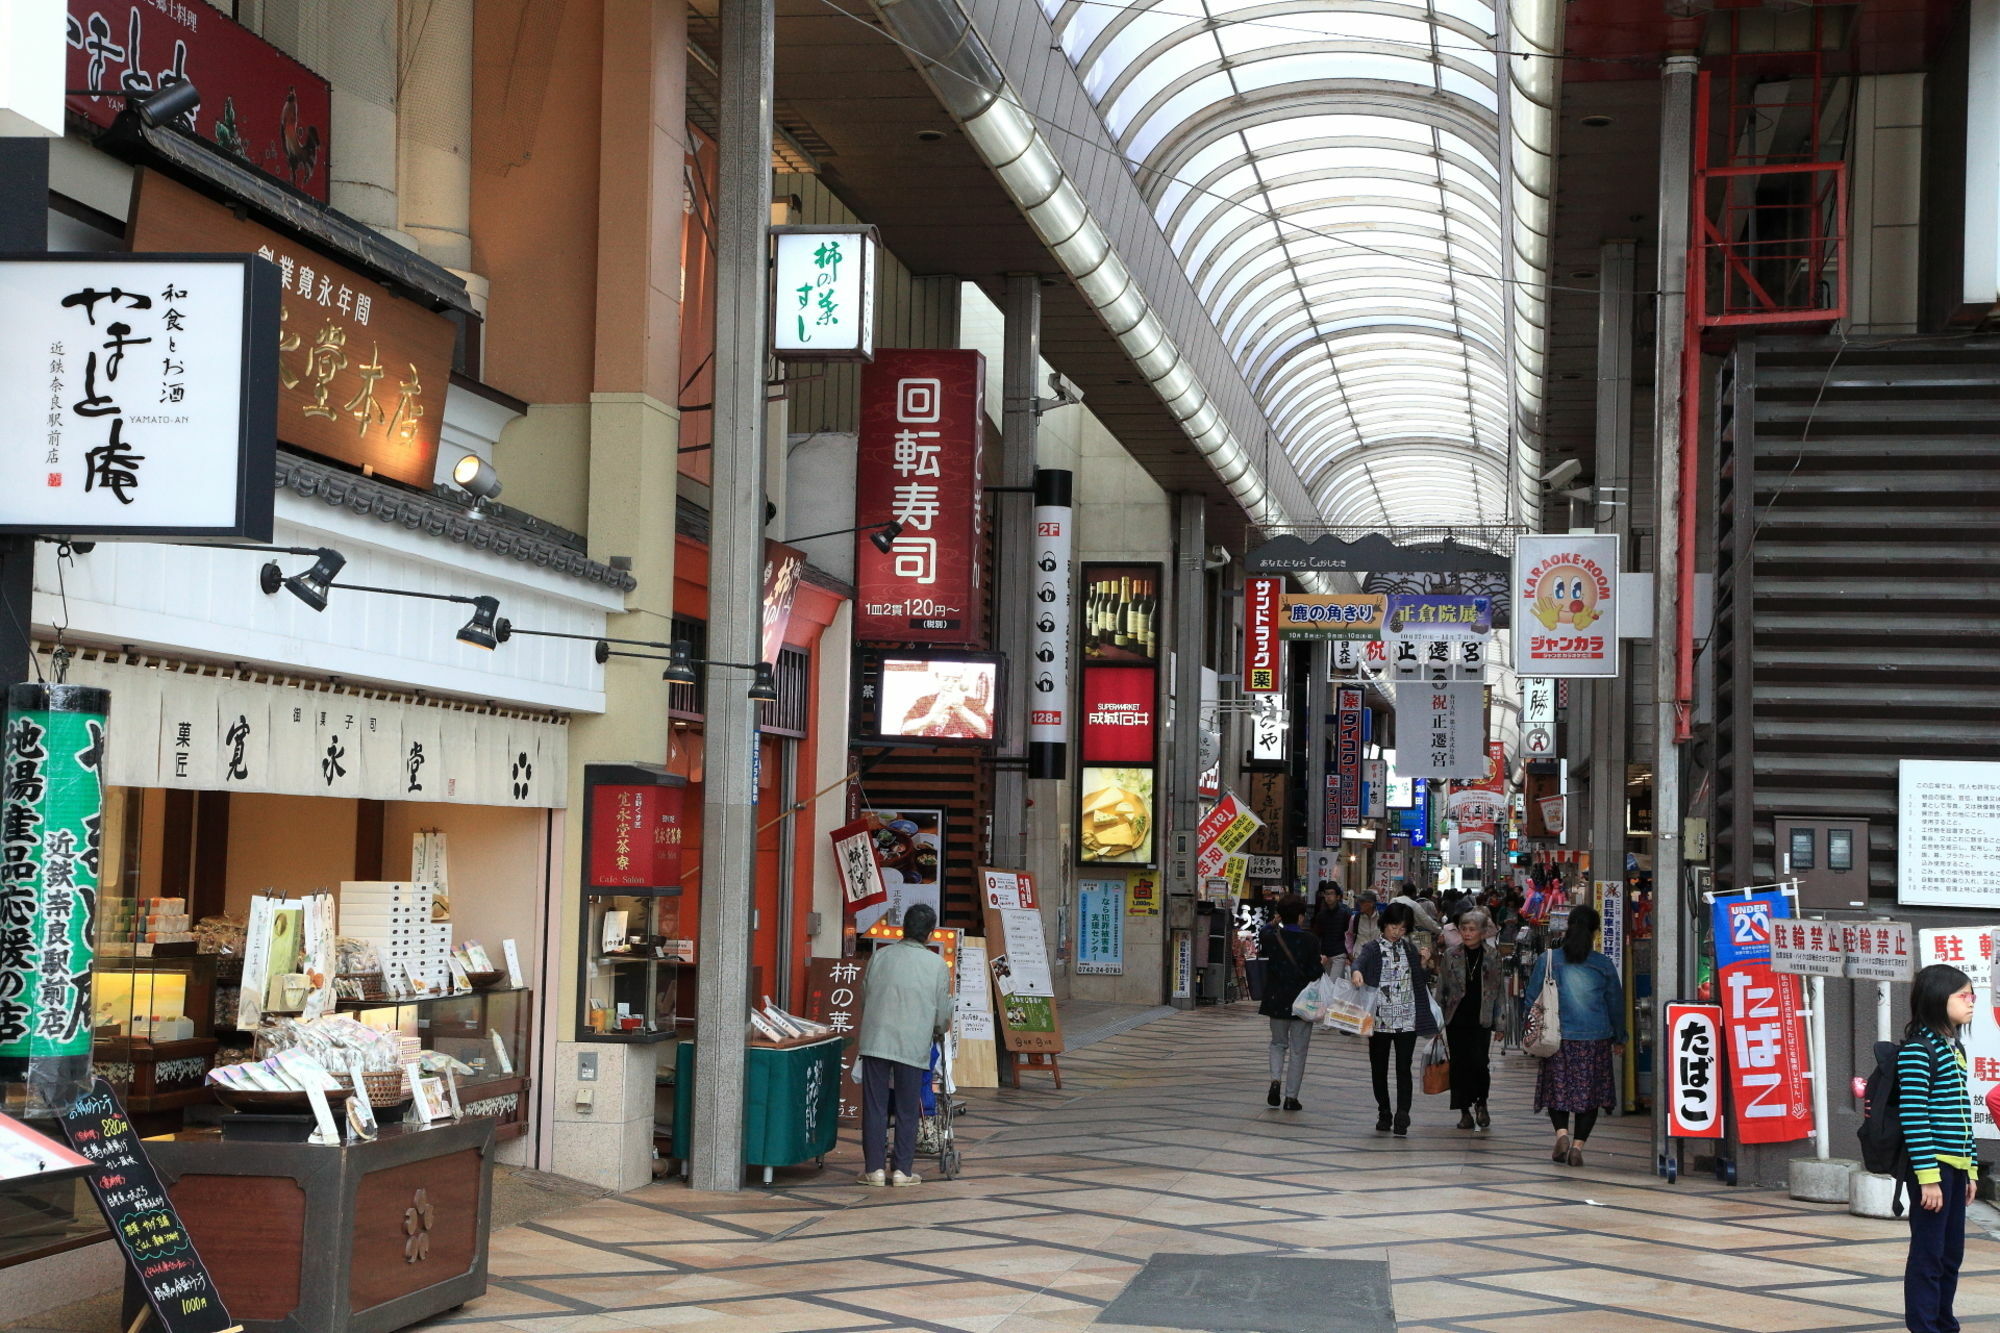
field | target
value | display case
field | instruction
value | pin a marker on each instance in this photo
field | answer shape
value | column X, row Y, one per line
column 633, row 944
column 154, row 1024
column 486, row 1029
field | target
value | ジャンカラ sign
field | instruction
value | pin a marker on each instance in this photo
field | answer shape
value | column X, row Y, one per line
column 142, row 392
column 362, row 372
column 917, row 464
column 1565, row 605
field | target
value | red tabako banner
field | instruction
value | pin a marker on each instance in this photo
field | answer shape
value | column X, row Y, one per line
column 635, row 837
column 1349, row 735
column 257, row 103
column 1761, row 1013
column 918, row 465
column 1694, row 1044
column 1566, row 605
column 1119, row 726
column 1263, row 650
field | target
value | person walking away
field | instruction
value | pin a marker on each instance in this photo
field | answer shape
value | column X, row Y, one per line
column 1292, row 961
column 906, row 1007
column 1576, row 1080
column 1363, row 923
column 1329, row 922
column 1394, row 965
column 1470, row 991
column 1936, row 1118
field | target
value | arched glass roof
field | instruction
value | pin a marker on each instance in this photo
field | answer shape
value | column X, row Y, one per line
column 1357, row 192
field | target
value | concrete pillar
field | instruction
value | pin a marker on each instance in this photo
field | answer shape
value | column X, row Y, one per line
column 434, row 130
column 1013, row 582
column 1611, row 512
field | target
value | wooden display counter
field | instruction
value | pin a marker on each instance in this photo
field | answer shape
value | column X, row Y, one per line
column 357, row 1239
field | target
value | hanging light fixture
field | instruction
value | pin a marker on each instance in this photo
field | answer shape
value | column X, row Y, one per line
column 883, row 538
column 680, row 664
column 763, row 685
column 480, row 631
column 312, row 586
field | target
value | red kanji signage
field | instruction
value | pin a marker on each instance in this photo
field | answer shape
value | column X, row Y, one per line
column 1118, row 714
column 635, row 837
column 1348, row 737
column 1763, row 1019
column 258, row 104
column 1263, row 650
column 917, row 465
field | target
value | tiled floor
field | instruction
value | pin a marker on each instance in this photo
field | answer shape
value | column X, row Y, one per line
column 1160, row 1142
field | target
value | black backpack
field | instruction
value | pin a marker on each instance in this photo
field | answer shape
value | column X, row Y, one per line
column 1884, row 1151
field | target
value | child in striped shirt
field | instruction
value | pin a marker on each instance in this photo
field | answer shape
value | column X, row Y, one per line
column 1936, row 1115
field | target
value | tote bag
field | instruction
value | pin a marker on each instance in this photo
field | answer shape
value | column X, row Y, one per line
column 1543, row 1036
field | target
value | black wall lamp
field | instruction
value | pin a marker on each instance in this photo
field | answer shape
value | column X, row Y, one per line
column 681, row 664
column 883, row 540
column 482, row 631
column 154, row 108
column 312, row 587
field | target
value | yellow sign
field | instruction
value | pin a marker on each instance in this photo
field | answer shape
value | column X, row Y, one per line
column 1142, row 894
column 1306, row 615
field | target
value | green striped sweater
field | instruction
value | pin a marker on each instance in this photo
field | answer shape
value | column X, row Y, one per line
column 1935, row 1106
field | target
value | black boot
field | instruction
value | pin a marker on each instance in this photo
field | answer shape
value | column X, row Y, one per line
column 1271, row 1097
column 1465, row 1118
column 1401, row 1128
column 1382, row 1123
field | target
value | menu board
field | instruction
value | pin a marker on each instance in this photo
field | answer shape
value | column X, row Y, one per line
column 1019, row 961
column 141, row 1216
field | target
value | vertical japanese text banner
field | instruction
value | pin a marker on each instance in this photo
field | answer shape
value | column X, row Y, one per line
column 917, row 465
column 1761, row 1013
column 1263, row 650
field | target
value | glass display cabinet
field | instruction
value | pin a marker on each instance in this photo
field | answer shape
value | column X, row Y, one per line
column 489, row 1030
column 634, row 944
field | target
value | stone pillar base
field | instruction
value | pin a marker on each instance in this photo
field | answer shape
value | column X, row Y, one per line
column 1817, row 1181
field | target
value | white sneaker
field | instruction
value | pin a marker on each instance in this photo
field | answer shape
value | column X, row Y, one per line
column 898, row 1179
column 872, row 1178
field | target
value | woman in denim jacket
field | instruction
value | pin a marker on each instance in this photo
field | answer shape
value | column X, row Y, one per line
column 1576, row 1080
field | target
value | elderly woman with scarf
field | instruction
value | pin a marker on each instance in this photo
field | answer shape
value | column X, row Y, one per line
column 1471, row 993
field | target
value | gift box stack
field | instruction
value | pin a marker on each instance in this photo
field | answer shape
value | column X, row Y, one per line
column 395, row 917
column 164, row 921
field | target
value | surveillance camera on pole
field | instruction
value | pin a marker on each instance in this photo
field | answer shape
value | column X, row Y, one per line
column 1562, row 474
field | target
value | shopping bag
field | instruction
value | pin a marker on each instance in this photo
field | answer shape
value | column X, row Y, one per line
column 1543, row 1035
column 1312, row 1000
column 1350, row 1008
column 1437, row 1067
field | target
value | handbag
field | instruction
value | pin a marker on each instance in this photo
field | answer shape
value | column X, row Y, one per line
column 1543, row 1035
column 1437, row 1067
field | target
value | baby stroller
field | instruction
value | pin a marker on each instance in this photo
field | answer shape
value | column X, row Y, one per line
column 938, row 1098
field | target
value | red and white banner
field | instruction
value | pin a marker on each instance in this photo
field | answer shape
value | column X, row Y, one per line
column 1349, row 725
column 1971, row 949
column 1226, row 827
column 1263, row 650
column 1694, row 1045
column 860, row 866
column 1566, row 605
column 917, row 464
column 1763, row 1017
column 1119, row 722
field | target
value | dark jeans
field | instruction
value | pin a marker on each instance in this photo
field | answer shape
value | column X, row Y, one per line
column 1471, row 1046
column 1585, row 1122
column 879, row 1080
column 1937, row 1247
column 1405, row 1044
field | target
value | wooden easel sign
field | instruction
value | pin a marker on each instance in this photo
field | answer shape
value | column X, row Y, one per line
column 1024, row 990
column 161, row 1254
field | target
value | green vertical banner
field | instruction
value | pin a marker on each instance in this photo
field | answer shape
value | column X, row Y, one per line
column 51, row 843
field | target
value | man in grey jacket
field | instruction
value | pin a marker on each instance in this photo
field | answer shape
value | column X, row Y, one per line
column 906, row 1005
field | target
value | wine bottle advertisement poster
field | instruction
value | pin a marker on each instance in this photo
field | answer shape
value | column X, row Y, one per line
column 1120, row 613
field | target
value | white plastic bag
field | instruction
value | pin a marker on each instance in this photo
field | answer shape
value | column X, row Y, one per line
column 1311, row 1003
column 1350, row 1008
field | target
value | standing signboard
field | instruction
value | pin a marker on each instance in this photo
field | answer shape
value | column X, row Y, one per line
column 362, row 372
column 1762, row 1020
column 1948, row 833
column 833, row 997
column 1565, row 590
column 1263, row 650
column 976, row 1065
column 1018, row 959
column 258, row 105
column 1971, row 950
column 1694, row 1042
column 918, row 465
column 152, row 383
column 1100, row 927
column 142, row 1219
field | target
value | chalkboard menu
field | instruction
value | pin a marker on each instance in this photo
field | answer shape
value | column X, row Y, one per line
column 141, row 1217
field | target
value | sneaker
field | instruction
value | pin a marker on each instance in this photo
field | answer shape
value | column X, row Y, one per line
column 1292, row 1104
column 898, row 1179
column 1382, row 1123
column 1271, row 1097
column 871, row 1178
column 1465, row 1118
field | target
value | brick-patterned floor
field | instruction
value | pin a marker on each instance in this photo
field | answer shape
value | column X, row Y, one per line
column 1160, row 1142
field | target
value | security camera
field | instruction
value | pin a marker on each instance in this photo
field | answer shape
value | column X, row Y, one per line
column 1562, row 474
column 1218, row 557
column 1065, row 390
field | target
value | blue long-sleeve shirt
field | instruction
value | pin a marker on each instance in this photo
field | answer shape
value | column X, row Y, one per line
column 1593, row 998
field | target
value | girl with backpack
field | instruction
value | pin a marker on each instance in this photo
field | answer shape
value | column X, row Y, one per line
column 1936, row 1115
column 1292, row 960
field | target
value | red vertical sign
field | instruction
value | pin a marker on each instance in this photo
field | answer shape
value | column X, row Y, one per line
column 1347, row 754
column 1762, row 1014
column 1263, row 660
column 635, row 837
column 918, row 465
